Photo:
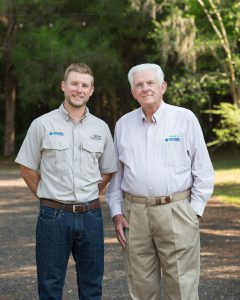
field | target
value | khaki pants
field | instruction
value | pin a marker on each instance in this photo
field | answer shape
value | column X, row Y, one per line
column 162, row 239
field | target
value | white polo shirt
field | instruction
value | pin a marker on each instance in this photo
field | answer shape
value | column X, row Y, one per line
column 161, row 157
column 69, row 157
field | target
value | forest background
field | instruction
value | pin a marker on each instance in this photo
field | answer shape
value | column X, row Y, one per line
column 196, row 42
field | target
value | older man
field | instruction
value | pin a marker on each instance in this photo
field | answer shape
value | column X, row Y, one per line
column 164, row 180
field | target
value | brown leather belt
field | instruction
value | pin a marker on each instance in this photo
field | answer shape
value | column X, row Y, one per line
column 75, row 208
column 152, row 201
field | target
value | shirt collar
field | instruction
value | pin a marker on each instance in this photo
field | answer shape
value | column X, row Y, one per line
column 66, row 115
column 157, row 115
column 63, row 112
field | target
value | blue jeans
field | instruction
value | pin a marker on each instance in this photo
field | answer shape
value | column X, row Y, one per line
column 60, row 233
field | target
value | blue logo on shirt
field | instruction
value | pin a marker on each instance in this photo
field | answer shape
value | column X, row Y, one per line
column 56, row 133
column 172, row 138
column 96, row 137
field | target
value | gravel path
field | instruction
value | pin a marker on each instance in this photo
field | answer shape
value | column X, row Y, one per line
column 220, row 254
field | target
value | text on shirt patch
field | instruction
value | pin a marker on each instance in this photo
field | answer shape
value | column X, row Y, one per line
column 58, row 133
column 96, row 137
column 172, row 138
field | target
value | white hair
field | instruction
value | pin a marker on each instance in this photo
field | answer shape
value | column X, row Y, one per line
column 157, row 68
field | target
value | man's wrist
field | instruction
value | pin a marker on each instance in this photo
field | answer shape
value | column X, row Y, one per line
column 114, row 218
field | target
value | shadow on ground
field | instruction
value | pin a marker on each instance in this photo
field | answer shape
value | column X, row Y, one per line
column 220, row 237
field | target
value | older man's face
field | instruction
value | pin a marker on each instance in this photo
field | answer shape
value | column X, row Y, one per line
column 147, row 90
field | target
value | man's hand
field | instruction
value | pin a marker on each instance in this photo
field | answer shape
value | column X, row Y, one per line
column 120, row 224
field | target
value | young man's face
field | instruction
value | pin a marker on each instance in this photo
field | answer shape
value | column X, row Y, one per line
column 77, row 89
column 147, row 89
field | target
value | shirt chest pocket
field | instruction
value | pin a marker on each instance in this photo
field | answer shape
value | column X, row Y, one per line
column 56, row 155
column 174, row 152
column 90, row 155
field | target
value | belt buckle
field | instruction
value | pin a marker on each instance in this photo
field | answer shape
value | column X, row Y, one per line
column 80, row 204
column 74, row 209
column 168, row 199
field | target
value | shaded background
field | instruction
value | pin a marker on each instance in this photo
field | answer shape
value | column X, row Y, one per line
column 196, row 42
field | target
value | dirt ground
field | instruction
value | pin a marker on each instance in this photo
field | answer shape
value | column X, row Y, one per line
column 220, row 249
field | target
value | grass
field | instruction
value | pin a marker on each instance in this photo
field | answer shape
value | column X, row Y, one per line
column 227, row 177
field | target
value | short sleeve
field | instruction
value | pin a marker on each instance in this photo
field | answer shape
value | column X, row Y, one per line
column 29, row 154
column 108, row 161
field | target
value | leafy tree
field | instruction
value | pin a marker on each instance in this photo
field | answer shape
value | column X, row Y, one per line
column 14, row 16
column 199, row 41
column 224, row 46
column 228, row 129
column 228, row 37
column 175, row 34
column 110, row 36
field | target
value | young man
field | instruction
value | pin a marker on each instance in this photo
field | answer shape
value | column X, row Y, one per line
column 164, row 180
column 66, row 159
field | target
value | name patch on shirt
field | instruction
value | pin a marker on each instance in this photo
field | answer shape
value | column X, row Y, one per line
column 96, row 137
column 172, row 138
column 56, row 133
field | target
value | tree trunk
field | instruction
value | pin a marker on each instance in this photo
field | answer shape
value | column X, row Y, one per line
column 10, row 100
column 235, row 90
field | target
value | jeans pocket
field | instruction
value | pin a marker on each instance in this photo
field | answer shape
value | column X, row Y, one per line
column 48, row 213
column 95, row 213
column 50, row 224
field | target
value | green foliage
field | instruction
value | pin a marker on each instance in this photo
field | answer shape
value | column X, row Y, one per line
column 36, row 57
column 202, row 62
column 187, row 91
column 228, row 130
column 47, row 37
column 174, row 37
column 112, row 36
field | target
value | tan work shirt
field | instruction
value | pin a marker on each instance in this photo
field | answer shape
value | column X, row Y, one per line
column 69, row 157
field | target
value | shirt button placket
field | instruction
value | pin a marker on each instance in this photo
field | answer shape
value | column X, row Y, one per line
column 149, row 158
column 75, row 154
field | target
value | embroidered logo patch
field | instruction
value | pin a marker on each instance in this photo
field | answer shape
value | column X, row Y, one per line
column 96, row 137
column 172, row 138
column 56, row 133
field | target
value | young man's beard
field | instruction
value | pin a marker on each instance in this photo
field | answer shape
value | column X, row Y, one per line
column 75, row 105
